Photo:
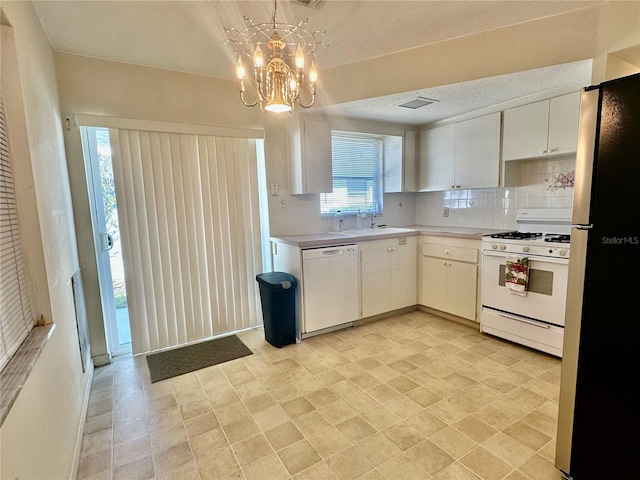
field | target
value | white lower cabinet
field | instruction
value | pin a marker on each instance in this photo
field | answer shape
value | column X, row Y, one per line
column 449, row 277
column 393, row 274
column 388, row 274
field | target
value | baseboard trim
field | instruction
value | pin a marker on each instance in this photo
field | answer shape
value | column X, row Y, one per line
column 101, row 360
column 448, row 316
column 382, row 316
column 83, row 420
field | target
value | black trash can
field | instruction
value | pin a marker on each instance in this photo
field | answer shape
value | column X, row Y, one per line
column 278, row 295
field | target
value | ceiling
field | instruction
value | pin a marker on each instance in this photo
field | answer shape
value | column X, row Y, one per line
column 188, row 36
column 492, row 93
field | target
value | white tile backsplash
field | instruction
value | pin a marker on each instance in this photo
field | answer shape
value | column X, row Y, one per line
column 496, row 207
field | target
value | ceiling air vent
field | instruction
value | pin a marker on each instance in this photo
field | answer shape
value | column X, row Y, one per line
column 417, row 103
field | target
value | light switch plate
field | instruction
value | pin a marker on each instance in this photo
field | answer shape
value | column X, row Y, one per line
column 445, row 212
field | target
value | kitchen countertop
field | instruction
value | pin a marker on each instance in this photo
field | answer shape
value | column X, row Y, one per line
column 475, row 233
column 354, row 236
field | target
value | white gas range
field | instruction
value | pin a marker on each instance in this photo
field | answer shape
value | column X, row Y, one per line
column 533, row 316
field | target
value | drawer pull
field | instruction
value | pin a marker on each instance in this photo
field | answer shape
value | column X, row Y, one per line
column 529, row 322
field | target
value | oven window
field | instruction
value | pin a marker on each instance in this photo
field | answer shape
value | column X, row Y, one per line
column 540, row 281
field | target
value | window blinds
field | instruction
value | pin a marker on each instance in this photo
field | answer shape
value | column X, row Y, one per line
column 357, row 175
column 16, row 318
column 190, row 229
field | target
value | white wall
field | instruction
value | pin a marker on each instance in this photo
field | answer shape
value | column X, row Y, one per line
column 39, row 438
column 302, row 212
column 99, row 87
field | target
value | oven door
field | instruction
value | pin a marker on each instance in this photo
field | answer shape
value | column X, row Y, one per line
column 547, row 290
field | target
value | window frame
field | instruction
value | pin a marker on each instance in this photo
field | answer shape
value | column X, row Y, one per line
column 377, row 189
column 18, row 319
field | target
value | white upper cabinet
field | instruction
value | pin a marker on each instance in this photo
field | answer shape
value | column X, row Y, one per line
column 564, row 120
column 400, row 162
column 437, row 149
column 309, row 155
column 542, row 129
column 410, row 160
column 461, row 155
column 393, row 164
column 477, row 159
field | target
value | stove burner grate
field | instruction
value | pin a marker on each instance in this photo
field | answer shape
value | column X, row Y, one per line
column 517, row 235
column 557, row 238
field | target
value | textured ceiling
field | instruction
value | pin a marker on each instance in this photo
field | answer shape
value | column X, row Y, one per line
column 188, row 36
column 461, row 98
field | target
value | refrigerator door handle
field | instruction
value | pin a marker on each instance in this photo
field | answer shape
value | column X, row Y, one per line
column 585, row 156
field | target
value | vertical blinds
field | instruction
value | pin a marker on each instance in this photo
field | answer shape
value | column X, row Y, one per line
column 190, row 227
column 357, row 175
column 16, row 317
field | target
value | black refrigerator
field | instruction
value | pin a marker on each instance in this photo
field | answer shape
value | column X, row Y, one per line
column 599, row 404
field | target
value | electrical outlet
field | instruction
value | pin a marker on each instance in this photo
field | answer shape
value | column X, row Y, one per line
column 274, row 189
column 445, row 212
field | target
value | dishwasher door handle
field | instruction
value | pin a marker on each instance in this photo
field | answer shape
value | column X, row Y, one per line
column 332, row 252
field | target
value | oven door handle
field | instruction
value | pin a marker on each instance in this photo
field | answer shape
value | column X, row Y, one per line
column 535, row 258
column 523, row 320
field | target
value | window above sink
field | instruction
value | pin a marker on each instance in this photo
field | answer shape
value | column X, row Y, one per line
column 357, row 175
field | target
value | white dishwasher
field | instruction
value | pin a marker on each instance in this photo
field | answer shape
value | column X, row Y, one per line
column 331, row 287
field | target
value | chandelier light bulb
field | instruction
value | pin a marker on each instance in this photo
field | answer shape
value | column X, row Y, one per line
column 258, row 58
column 240, row 72
column 278, row 108
column 299, row 58
column 313, row 73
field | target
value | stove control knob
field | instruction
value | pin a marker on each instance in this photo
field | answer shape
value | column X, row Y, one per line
column 494, row 246
column 562, row 253
column 525, row 249
column 503, row 247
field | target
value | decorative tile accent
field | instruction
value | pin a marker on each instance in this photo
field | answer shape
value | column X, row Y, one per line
column 544, row 183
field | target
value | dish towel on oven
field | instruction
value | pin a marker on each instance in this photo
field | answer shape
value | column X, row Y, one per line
column 516, row 277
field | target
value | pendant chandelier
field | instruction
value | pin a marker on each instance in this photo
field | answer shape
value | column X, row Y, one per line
column 280, row 77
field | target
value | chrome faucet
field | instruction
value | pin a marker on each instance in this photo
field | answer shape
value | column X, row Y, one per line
column 373, row 215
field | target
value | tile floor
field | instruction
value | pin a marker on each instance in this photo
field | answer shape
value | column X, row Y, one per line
column 410, row 397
